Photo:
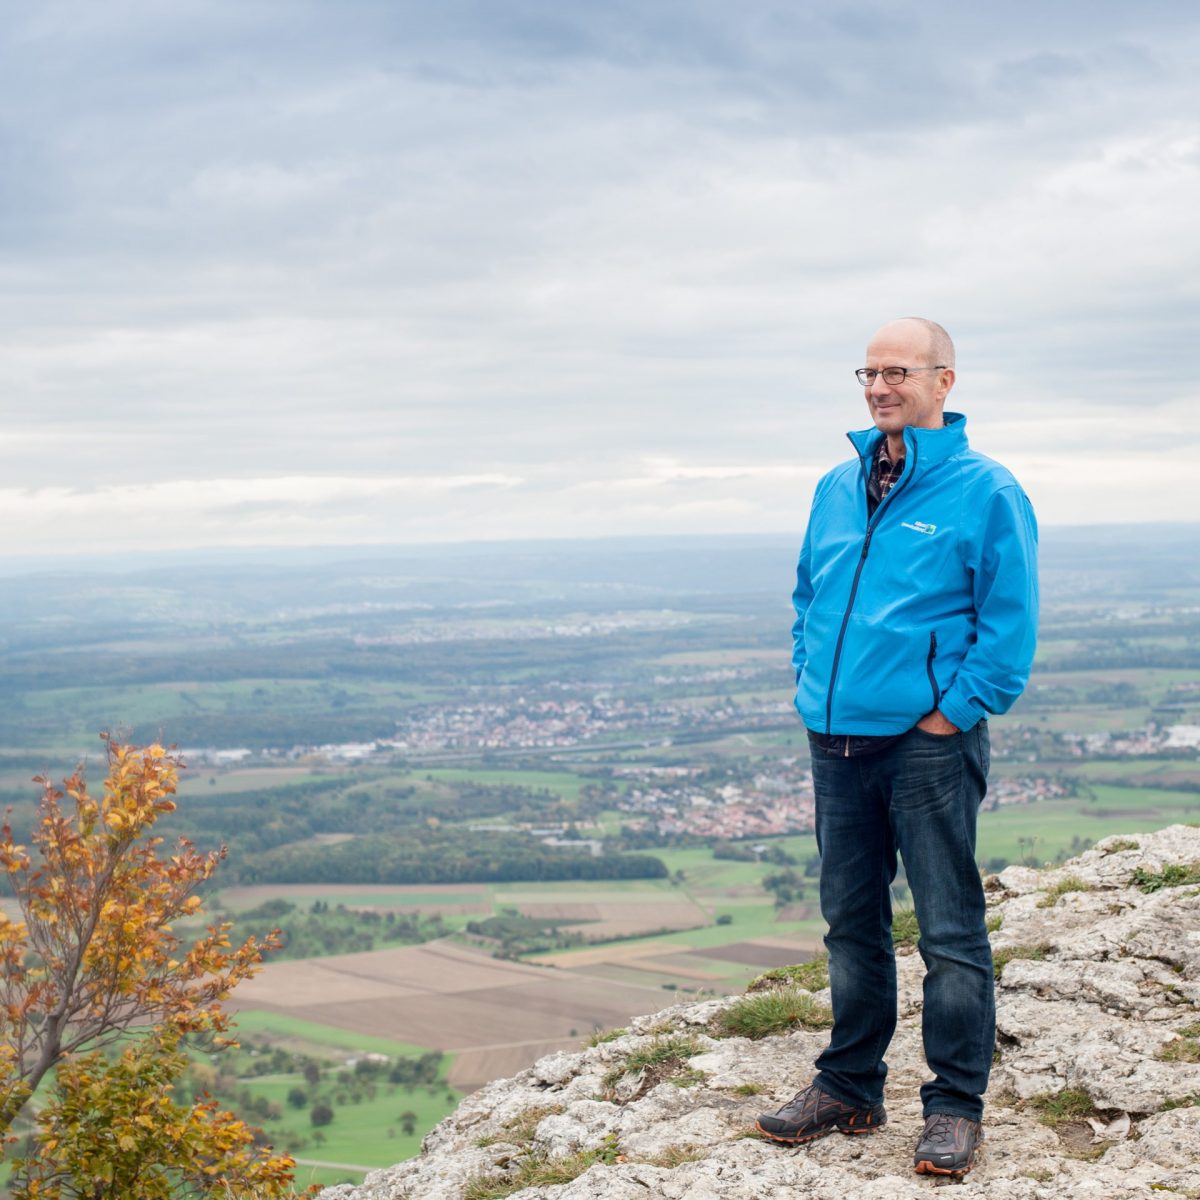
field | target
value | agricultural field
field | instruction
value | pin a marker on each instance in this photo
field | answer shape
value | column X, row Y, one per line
column 493, row 1016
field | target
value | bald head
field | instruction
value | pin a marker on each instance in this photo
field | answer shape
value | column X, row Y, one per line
column 939, row 349
column 924, row 349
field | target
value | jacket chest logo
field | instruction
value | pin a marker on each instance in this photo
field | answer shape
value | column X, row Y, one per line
column 919, row 526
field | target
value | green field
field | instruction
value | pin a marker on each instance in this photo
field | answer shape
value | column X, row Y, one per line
column 1141, row 769
column 1043, row 833
column 367, row 1135
column 362, row 1135
column 559, row 783
column 320, row 1040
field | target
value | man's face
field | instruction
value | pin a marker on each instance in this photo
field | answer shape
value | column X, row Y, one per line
column 920, row 398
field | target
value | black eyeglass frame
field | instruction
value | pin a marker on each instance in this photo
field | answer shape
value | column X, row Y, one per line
column 867, row 375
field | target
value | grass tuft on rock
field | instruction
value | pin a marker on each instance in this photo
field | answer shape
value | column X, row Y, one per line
column 1172, row 875
column 749, row 1089
column 662, row 1059
column 676, row 1156
column 1118, row 844
column 537, row 1170
column 1056, row 1108
column 1072, row 883
column 598, row 1037
column 1006, row 954
column 1184, row 1048
column 779, row 1010
column 521, row 1129
column 812, row 976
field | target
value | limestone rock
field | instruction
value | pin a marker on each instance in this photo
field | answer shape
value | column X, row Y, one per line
column 1100, row 980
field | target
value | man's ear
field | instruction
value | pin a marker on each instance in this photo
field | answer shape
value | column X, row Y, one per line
column 946, row 381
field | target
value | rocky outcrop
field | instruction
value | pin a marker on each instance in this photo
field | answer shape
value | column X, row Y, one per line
column 1095, row 1092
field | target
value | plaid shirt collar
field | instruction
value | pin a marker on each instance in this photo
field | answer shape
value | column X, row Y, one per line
column 886, row 472
column 883, row 476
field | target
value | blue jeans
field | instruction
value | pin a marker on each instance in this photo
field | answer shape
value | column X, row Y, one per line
column 919, row 796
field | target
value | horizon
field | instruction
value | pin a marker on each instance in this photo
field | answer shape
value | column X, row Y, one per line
column 133, row 562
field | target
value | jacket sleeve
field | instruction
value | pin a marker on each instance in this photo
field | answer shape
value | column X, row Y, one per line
column 801, row 598
column 1004, row 565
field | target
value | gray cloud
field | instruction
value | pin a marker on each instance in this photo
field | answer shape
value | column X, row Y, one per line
column 560, row 242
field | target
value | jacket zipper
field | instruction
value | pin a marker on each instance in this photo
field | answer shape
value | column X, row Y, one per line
column 872, row 524
column 937, row 695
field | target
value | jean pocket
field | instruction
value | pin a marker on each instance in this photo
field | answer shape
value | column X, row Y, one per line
column 936, row 737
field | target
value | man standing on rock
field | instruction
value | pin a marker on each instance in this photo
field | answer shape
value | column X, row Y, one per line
column 916, row 614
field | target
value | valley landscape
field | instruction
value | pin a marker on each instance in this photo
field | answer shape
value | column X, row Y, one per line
column 500, row 798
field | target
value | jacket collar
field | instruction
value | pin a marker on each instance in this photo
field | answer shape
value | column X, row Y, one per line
column 931, row 445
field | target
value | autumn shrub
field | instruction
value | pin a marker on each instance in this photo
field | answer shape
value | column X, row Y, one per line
column 97, row 992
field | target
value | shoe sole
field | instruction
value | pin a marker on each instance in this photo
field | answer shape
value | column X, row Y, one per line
column 849, row 1131
column 924, row 1167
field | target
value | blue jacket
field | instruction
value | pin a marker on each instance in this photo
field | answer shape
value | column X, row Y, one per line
column 931, row 604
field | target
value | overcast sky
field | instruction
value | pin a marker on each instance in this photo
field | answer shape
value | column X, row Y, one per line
column 276, row 272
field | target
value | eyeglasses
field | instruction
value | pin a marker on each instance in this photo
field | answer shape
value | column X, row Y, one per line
column 891, row 375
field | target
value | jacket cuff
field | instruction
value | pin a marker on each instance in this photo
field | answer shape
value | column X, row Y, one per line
column 959, row 712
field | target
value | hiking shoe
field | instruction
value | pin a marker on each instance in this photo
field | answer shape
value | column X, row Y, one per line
column 812, row 1114
column 947, row 1145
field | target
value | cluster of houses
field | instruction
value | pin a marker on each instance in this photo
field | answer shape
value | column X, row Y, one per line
column 527, row 724
column 1153, row 739
column 774, row 800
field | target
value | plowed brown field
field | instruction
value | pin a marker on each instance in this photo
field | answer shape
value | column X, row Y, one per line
column 497, row 1016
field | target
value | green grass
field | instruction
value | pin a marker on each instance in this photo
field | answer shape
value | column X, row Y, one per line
column 704, row 873
column 1120, row 844
column 1105, row 797
column 662, row 1050
column 203, row 780
column 676, row 1156
column 1136, row 768
column 521, row 1129
column 1072, row 883
column 538, row 1171
column 313, row 1034
column 561, row 783
column 87, row 709
column 905, row 930
column 254, row 895
column 663, row 1058
column 1172, row 875
column 368, row 1134
column 1006, row 954
column 749, row 921
column 812, row 976
column 1183, row 1049
column 1043, row 832
column 602, row 1036
column 1055, row 1108
column 778, row 1010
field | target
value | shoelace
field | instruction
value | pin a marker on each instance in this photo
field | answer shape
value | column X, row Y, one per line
column 808, row 1103
column 941, row 1126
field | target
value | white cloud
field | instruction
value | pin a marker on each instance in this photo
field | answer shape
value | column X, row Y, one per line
column 620, row 256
